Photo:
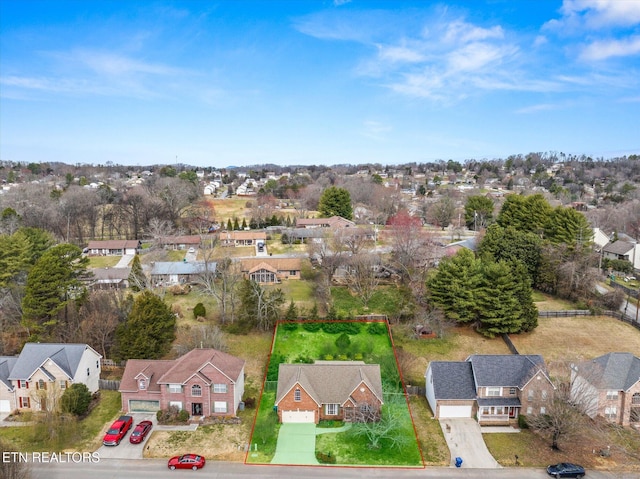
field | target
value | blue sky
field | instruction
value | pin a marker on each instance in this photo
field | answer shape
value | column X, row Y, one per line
column 316, row 82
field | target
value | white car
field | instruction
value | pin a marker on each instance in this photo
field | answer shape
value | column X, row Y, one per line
column 192, row 250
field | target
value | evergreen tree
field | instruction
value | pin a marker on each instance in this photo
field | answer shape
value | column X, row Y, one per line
column 76, row 399
column 335, row 201
column 244, row 224
column 229, row 225
column 525, row 213
column 148, row 331
column 496, row 303
column 292, row 312
column 236, row 224
column 54, row 281
column 568, row 226
column 478, row 212
column 137, row 278
column 453, row 286
column 510, row 244
column 313, row 313
column 524, row 296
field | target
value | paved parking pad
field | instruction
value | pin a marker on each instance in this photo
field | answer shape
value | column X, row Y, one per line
column 464, row 438
column 126, row 450
column 296, row 444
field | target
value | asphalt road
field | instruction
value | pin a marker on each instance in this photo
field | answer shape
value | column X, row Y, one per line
column 157, row 468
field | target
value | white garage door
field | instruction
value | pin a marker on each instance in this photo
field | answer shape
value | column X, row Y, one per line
column 136, row 405
column 454, row 411
column 5, row 405
column 298, row 416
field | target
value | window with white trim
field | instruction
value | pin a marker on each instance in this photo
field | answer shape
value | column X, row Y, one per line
column 196, row 390
column 297, row 395
column 530, row 395
column 176, row 404
column 142, row 384
column 24, row 402
column 493, row 391
column 175, row 388
column 635, row 399
column 219, row 388
column 611, row 395
column 512, row 391
column 543, row 410
column 529, row 410
column 23, row 384
column 63, row 384
column 220, row 406
column 41, row 384
column 544, row 394
column 610, row 412
column 331, row 409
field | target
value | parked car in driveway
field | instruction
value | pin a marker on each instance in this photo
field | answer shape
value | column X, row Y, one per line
column 186, row 461
column 140, row 432
column 117, row 431
column 565, row 469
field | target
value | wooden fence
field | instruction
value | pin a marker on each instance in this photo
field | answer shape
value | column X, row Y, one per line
column 109, row 384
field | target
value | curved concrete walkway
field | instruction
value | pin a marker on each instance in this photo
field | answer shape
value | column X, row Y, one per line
column 464, row 438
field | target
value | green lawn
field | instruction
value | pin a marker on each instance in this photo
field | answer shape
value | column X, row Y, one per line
column 66, row 434
column 103, row 261
column 372, row 345
column 387, row 300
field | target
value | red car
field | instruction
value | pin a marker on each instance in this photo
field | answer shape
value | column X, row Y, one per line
column 186, row 461
column 117, row 431
column 140, row 432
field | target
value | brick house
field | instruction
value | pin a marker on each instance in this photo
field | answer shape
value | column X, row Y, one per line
column 204, row 382
column 329, row 390
column 270, row 270
column 37, row 378
column 609, row 386
column 113, row 247
column 332, row 222
column 241, row 238
column 494, row 388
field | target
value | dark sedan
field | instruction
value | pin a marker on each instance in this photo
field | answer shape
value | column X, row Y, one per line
column 565, row 469
column 186, row 461
column 140, row 432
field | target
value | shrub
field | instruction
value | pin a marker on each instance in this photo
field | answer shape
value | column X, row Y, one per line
column 172, row 415
column 377, row 328
column 303, row 360
column 272, row 370
column 289, row 326
column 199, row 311
column 328, row 357
column 337, row 327
column 312, row 326
column 250, row 402
column 76, row 399
column 343, row 342
column 522, row 422
column 183, row 415
column 325, row 458
column 358, row 357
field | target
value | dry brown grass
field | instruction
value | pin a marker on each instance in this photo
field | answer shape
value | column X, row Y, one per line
column 578, row 338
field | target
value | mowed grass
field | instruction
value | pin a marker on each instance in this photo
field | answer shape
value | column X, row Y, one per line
column 300, row 343
column 103, row 261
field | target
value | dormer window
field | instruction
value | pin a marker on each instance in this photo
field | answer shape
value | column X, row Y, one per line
column 142, row 384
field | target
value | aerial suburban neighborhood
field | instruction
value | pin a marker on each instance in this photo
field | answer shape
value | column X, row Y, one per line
column 319, row 239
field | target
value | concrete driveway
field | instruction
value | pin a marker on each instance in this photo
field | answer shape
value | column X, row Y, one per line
column 296, row 444
column 126, row 450
column 465, row 440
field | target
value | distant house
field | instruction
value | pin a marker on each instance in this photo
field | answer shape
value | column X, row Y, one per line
column 180, row 242
column 468, row 243
column 270, row 270
column 204, row 382
column 109, row 278
column 333, row 222
column 623, row 250
column 493, row 388
column 339, row 390
column 42, row 371
column 241, row 238
column 609, row 386
column 113, row 247
column 7, row 390
column 167, row 273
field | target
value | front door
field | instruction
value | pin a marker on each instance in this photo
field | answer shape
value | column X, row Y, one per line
column 196, row 409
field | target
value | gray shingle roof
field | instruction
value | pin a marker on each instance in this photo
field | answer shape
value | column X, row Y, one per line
column 616, row 371
column 33, row 356
column 329, row 382
column 6, row 365
column 618, row 247
column 453, row 380
column 181, row 267
column 506, row 370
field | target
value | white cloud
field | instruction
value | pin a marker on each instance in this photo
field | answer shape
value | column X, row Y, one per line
column 397, row 54
column 596, row 14
column 476, row 56
column 603, row 49
column 537, row 108
column 462, row 32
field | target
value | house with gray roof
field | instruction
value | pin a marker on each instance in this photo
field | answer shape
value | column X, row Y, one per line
column 167, row 273
column 623, row 250
column 42, row 371
column 7, row 391
column 494, row 388
column 329, row 390
column 609, row 386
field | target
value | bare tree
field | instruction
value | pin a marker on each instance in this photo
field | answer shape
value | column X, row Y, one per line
column 13, row 468
column 100, row 316
column 199, row 336
column 362, row 276
column 222, row 285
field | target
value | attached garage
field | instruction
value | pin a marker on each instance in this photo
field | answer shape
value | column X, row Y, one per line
column 454, row 411
column 298, row 416
column 5, row 405
column 137, row 405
